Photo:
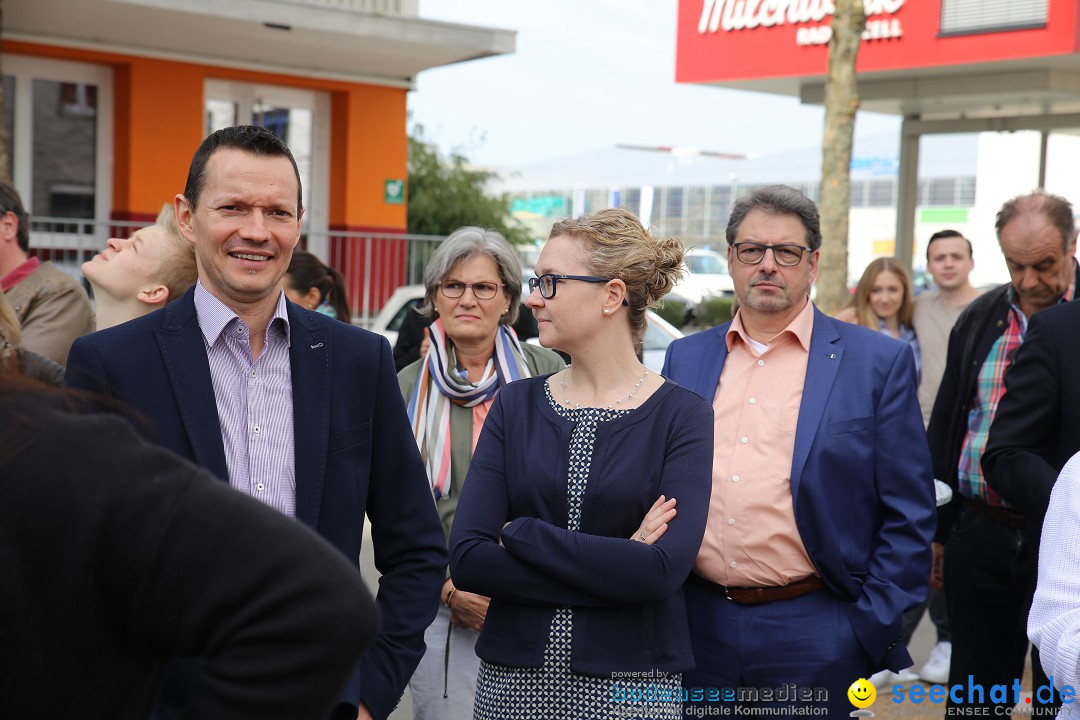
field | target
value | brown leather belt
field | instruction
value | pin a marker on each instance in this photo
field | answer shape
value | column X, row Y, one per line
column 1000, row 515
column 760, row 595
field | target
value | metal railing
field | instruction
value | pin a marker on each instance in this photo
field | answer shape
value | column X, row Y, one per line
column 398, row 8
column 373, row 264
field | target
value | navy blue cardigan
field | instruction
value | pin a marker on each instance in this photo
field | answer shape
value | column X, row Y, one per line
column 627, row 597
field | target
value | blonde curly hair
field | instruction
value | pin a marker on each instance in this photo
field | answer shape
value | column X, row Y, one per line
column 618, row 246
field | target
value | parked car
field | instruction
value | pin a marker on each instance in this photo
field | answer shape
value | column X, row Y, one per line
column 658, row 335
column 388, row 322
column 706, row 276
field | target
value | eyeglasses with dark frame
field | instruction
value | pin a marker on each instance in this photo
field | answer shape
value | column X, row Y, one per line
column 482, row 290
column 752, row 253
column 549, row 281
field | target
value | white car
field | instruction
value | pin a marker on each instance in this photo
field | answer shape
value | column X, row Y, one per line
column 706, row 277
column 658, row 335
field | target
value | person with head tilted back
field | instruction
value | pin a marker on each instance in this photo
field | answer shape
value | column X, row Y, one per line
column 137, row 275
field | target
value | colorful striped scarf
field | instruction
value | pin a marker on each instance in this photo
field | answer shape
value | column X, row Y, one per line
column 439, row 385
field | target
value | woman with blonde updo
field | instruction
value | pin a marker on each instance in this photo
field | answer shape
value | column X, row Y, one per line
column 568, row 517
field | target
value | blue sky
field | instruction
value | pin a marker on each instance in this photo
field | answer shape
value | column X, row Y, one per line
column 588, row 74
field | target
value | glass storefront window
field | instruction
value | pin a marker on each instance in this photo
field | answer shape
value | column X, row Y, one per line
column 64, row 149
column 219, row 114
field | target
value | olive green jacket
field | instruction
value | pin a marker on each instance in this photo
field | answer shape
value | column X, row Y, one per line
column 539, row 361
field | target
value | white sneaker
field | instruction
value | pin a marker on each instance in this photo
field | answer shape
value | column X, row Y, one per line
column 888, row 678
column 936, row 669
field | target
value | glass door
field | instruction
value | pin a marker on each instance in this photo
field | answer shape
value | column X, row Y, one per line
column 299, row 117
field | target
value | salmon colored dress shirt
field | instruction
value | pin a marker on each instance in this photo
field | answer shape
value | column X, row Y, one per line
column 751, row 539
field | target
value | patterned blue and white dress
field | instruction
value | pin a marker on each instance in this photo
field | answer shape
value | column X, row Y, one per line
column 553, row 691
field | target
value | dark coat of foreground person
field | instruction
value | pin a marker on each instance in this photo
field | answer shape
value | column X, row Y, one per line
column 117, row 555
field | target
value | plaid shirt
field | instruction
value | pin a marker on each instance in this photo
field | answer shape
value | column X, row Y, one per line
column 988, row 391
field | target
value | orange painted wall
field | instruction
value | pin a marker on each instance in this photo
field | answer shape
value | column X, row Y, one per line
column 159, row 123
column 369, row 136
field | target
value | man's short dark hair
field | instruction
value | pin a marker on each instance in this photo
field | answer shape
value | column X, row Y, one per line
column 10, row 202
column 777, row 200
column 943, row 234
column 251, row 139
column 1057, row 210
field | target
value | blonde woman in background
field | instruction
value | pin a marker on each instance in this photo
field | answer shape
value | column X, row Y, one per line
column 884, row 301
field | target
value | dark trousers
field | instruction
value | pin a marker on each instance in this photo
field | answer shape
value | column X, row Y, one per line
column 806, row 641
column 935, row 604
column 990, row 571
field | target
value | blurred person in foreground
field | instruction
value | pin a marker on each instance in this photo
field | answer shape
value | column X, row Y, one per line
column 137, row 275
column 823, row 503
column 117, row 555
column 316, row 286
column 472, row 290
column 1054, row 621
column 52, row 309
column 567, row 520
column 287, row 405
column 986, row 546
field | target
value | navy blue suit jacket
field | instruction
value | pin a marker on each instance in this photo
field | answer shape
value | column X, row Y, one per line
column 510, row 539
column 354, row 454
column 861, row 479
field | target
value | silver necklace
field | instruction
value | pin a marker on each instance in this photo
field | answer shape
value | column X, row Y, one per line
column 624, row 398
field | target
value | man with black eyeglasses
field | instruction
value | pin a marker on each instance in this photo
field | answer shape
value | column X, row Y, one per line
column 822, row 507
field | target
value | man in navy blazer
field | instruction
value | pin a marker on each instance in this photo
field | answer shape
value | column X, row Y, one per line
column 296, row 409
column 823, row 504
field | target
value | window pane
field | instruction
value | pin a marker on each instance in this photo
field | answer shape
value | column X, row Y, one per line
column 219, row 114
column 65, row 144
column 973, row 16
column 293, row 125
column 674, row 207
column 881, row 193
column 9, row 121
column 942, row 192
column 719, row 206
column 695, row 212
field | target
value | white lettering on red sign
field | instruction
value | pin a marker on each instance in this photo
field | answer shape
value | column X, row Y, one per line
column 731, row 15
column 875, row 30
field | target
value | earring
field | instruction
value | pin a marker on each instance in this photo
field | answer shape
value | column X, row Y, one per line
column 606, row 311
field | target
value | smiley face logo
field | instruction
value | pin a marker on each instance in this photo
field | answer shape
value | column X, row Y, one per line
column 861, row 693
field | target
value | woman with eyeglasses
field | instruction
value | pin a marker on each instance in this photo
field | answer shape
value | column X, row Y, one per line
column 883, row 301
column 472, row 292
column 568, row 519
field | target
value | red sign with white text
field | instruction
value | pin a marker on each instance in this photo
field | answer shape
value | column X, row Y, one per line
column 727, row 41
